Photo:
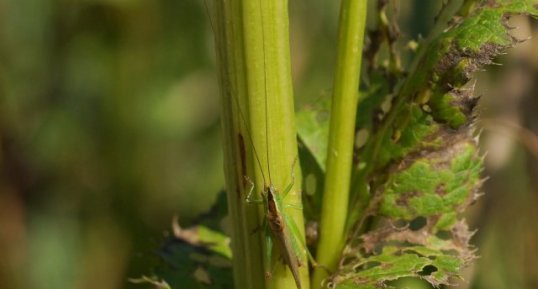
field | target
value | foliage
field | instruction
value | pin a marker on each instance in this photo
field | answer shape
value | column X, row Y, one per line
column 418, row 167
column 422, row 160
column 196, row 257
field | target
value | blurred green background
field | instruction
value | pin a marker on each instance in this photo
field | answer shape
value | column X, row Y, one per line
column 109, row 126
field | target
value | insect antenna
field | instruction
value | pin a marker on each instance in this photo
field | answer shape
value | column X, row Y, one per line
column 208, row 12
column 266, row 96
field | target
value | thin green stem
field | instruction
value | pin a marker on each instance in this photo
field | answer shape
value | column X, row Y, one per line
column 341, row 136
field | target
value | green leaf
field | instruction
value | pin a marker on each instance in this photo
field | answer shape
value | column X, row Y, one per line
column 196, row 257
column 313, row 129
column 436, row 89
column 419, row 231
column 433, row 184
column 202, row 259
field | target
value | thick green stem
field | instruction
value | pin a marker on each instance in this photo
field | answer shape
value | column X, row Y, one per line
column 341, row 136
column 259, row 128
column 271, row 112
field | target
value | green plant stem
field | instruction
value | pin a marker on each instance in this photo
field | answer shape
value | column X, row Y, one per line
column 259, row 128
column 227, row 25
column 272, row 115
column 341, row 136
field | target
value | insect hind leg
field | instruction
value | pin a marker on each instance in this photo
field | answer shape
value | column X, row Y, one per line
column 268, row 253
column 299, row 244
